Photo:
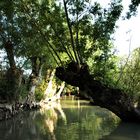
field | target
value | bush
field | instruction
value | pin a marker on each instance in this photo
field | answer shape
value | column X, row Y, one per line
column 39, row 95
column 40, row 89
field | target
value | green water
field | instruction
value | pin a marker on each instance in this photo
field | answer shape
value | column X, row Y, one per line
column 68, row 120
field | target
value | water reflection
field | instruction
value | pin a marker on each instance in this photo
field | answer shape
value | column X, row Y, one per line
column 125, row 131
column 86, row 122
column 72, row 120
column 50, row 114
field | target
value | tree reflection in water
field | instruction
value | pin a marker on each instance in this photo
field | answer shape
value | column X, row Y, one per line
column 75, row 120
column 50, row 112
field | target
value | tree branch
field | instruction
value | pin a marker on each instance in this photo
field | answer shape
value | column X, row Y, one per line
column 70, row 31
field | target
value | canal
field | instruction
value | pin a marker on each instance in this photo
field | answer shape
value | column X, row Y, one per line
column 68, row 120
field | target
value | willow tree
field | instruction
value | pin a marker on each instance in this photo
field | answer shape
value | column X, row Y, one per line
column 101, row 25
column 9, row 37
column 38, row 37
column 74, row 29
column 22, row 37
column 80, row 29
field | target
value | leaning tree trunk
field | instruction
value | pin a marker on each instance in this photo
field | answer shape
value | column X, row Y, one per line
column 51, row 93
column 113, row 99
column 49, row 90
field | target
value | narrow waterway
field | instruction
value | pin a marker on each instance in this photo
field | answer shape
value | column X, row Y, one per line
column 68, row 120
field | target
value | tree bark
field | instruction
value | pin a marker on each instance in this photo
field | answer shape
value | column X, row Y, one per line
column 13, row 78
column 13, row 75
column 51, row 93
column 113, row 99
column 71, row 33
column 49, row 90
column 10, row 53
column 34, row 79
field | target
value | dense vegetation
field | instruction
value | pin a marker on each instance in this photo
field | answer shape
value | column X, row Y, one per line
column 37, row 36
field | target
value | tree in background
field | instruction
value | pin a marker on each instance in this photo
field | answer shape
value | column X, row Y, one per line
column 130, row 73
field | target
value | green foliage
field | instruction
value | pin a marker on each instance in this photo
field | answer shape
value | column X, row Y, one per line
column 39, row 95
column 23, row 92
column 40, row 28
column 130, row 74
column 70, row 90
column 40, row 89
column 133, row 8
column 103, row 65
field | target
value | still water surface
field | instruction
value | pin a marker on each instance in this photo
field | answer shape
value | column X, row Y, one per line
column 70, row 120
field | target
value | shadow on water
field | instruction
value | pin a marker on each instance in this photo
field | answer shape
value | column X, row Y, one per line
column 125, row 131
column 70, row 120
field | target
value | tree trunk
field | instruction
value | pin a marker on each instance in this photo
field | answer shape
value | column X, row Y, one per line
column 55, row 96
column 13, row 75
column 13, row 78
column 34, row 79
column 30, row 101
column 10, row 53
column 113, row 99
column 49, row 90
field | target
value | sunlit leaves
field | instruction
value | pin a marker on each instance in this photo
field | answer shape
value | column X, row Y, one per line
column 34, row 25
column 130, row 79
